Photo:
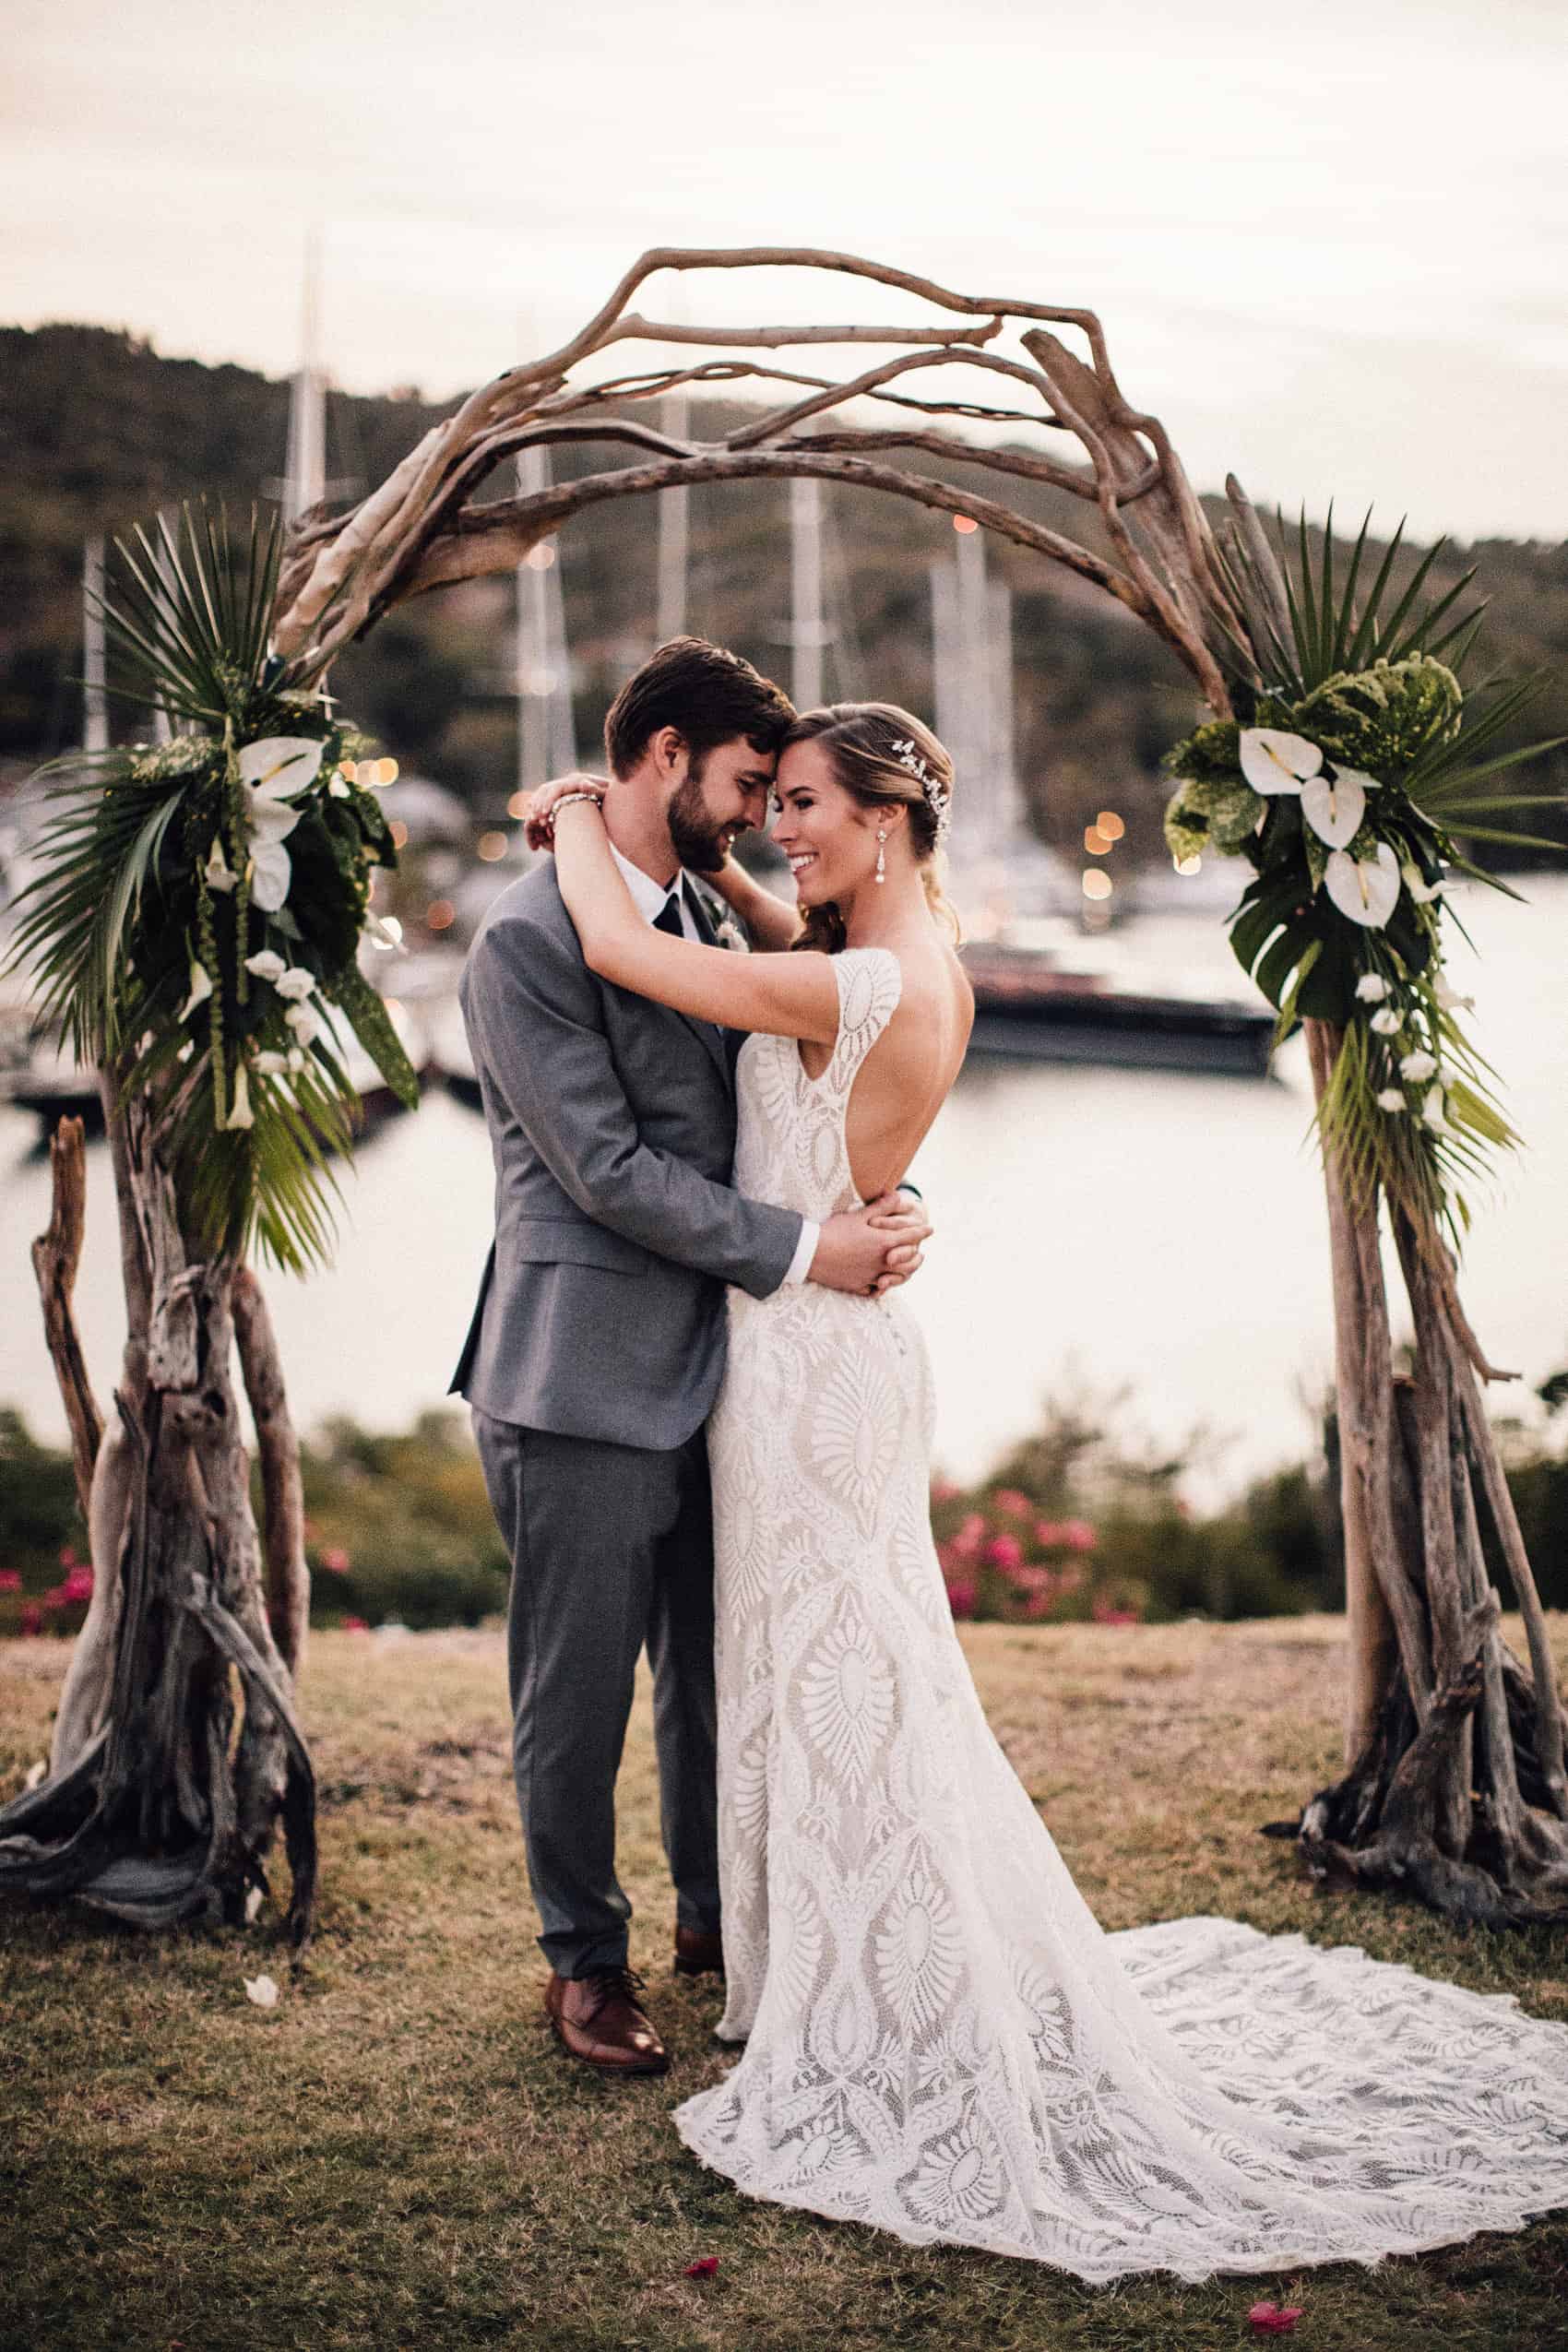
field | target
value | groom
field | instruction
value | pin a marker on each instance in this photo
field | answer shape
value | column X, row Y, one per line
column 597, row 1347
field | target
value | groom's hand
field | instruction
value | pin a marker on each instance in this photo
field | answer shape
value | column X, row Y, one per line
column 872, row 1249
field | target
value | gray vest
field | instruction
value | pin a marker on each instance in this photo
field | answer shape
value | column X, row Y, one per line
column 611, row 1124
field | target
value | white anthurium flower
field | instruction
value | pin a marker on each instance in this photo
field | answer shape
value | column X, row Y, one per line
column 1391, row 1098
column 1371, row 988
column 296, row 983
column 272, row 772
column 220, row 873
column 262, row 1990
column 280, row 766
column 1385, row 1023
column 1417, row 1066
column 1364, row 890
column 1422, row 892
column 383, row 931
column 201, row 989
column 271, row 1065
column 241, row 1115
column 1451, row 1000
column 266, row 964
column 1334, row 808
column 1433, row 1111
column 305, row 1022
column 1273, row 761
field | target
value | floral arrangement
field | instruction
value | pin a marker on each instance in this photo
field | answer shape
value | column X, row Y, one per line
column 1343, row 786
column 201, row 901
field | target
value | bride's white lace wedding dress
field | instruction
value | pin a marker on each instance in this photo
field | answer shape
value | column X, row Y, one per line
column 941, row 2040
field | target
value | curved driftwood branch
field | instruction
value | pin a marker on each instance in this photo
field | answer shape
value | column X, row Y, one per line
column 422, row 528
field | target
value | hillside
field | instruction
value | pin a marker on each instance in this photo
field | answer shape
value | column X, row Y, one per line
column 99, row 431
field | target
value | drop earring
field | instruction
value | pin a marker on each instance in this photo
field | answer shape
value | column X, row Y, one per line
column 881, row 856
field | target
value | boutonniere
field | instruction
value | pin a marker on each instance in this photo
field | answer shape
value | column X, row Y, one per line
column 727, row 932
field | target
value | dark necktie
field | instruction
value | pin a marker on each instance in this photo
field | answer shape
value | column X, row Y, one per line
column 669, row 918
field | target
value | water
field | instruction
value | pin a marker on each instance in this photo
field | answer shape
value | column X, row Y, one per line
column 1159, row 1232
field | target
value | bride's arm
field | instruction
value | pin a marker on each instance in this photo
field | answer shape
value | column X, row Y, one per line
column 773, row 922
column 787, row 995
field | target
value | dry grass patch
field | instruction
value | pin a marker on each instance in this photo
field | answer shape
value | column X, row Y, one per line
column 397, row 2156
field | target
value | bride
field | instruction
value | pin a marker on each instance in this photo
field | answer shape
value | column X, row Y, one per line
column 939, row 2038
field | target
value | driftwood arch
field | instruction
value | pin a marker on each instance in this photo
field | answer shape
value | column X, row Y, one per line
column 1454, row 1783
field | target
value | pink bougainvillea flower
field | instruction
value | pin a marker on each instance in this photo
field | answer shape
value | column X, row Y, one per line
column 68, row 1557
column 355, row 1625
column 1031, row 1580
column 335, row 1560
column 32, row 1619
column 10, row 1580
column 971, row 1536
column 942, row 1490
column 704, row 2267
column 1078, row 1535
column 1104, row 1614
column 1016, row 1505
column 961, row 1599
column 1004, row 1551
column 1274, row 2319
column 1049, row 1532
column 1037, row 1605
column 78, row 1584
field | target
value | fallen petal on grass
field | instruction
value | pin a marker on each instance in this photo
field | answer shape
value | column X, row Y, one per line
column 704, row 2267
column 1274, row 2319
column 263, row 1991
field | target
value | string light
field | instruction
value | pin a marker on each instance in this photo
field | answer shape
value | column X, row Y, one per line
column 517, row 803
column 398, row 831
column 1096, row 842
column 1096, row 884
column 1189, row 865
column 964, row 523
column 439, row 914
column 1111, row 825
column 492, row 846
column 539, row 558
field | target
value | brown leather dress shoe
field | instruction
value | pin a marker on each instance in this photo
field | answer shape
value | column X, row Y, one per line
column 699, row 1952
column 598, row 2019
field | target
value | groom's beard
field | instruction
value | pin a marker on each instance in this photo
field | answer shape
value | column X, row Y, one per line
column 694, row 832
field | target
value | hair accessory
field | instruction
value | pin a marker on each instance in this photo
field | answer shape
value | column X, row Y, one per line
column 939, row 797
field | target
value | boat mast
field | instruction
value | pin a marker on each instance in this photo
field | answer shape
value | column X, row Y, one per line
column 674, row 529
column 95, row 702
column 546, row 733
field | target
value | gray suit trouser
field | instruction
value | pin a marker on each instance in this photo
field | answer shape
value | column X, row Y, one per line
column 611, row 1546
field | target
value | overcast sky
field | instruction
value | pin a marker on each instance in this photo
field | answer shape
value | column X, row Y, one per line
column 1329, row 243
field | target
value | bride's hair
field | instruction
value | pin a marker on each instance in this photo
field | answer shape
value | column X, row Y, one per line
column 858, row 738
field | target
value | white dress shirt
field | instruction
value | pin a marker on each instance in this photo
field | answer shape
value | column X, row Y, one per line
column 649, row 898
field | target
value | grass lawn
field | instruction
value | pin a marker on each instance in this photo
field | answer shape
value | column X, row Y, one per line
column 398, row 2156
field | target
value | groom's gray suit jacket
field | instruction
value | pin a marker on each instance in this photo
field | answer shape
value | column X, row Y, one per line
column 612, row 1121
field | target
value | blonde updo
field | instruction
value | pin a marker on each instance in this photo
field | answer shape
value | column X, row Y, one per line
column 858, row 738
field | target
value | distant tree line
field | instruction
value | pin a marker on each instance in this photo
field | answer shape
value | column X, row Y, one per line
column 99, row 432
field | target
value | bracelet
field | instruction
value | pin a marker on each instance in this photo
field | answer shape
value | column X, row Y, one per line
column 565, row 801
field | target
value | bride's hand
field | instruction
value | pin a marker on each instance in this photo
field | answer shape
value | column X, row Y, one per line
column 538, row 809
column 901, row 1221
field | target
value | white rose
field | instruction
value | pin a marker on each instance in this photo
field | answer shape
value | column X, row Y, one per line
column 1391, row 1098
column 1417, row 1066
column 1371, row 988
column 266, row 964
column 305, row 1022
column 1385, row 1023
column 270, row 1064
column 296, row 982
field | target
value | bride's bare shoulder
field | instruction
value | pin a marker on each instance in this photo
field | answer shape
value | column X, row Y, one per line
column 936, row 1001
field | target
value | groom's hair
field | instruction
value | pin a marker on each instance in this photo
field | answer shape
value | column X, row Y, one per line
column 710, row 695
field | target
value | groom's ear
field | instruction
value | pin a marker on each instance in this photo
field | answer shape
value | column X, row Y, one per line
column 669, row 749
